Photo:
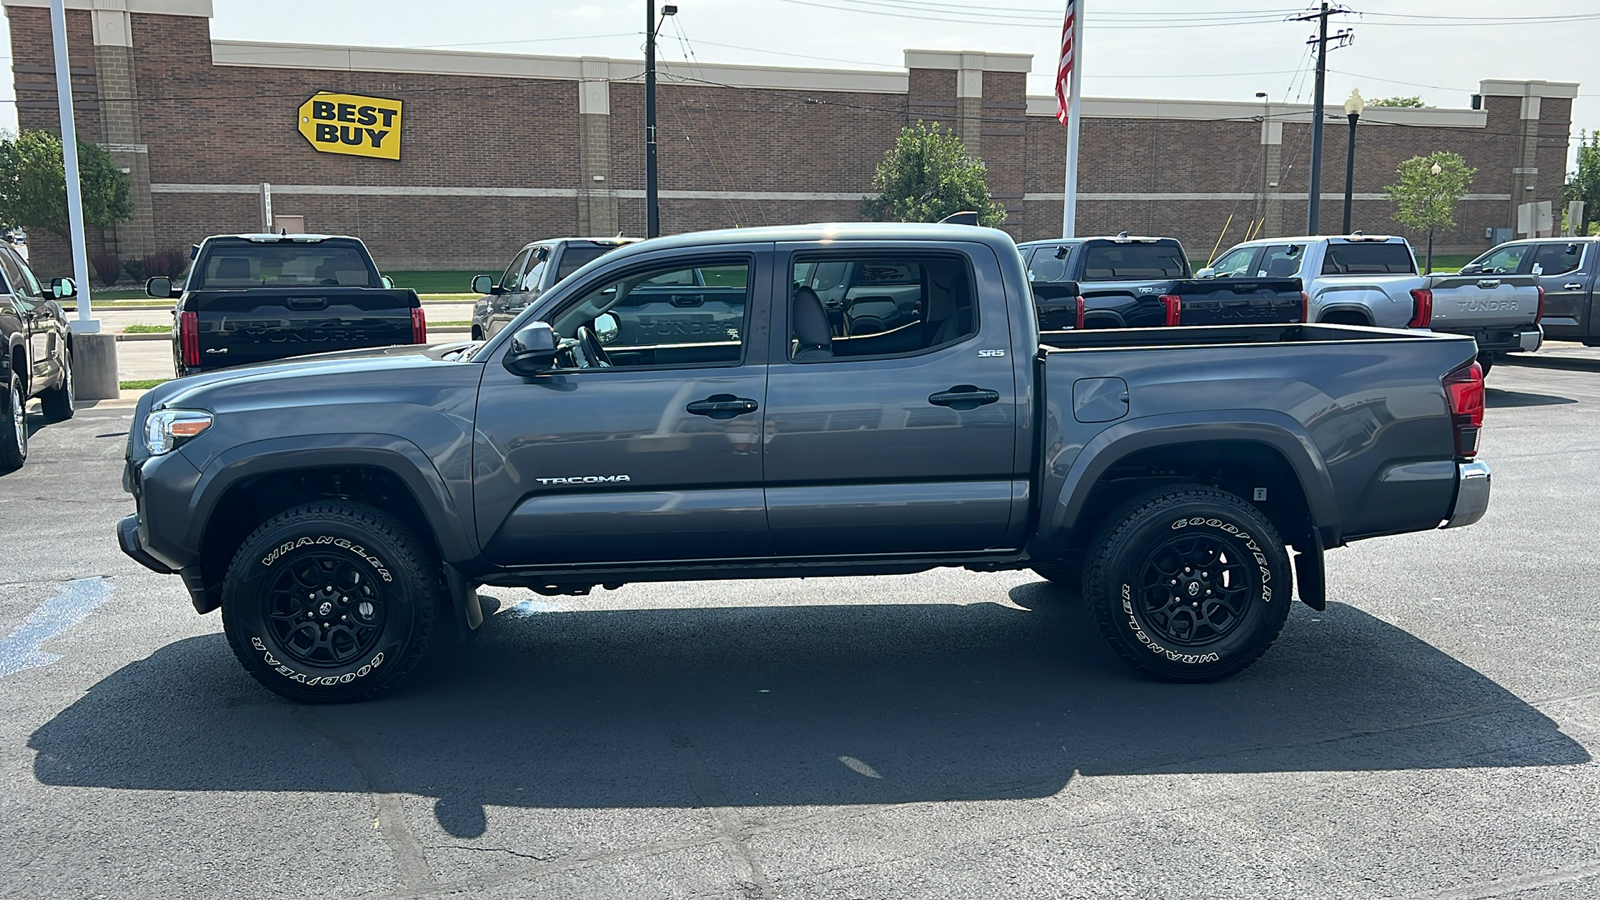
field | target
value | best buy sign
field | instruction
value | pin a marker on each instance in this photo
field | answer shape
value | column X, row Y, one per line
column 351, row 124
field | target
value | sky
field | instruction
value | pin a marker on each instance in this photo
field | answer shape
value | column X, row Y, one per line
column 1171, row 49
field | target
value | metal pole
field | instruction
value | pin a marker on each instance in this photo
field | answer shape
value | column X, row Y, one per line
column 1314, row 201
column 1069, row 208
column 1349, row 173
column 652, row 210
column 86, row 322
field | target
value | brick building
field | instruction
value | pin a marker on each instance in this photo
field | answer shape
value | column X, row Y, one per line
column 500, row 149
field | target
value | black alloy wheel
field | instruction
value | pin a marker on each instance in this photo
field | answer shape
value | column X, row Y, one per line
column 1188, row 583
column 331, row 601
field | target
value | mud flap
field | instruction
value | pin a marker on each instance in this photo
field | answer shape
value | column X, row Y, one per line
column 464, row 601
column 1310, row 578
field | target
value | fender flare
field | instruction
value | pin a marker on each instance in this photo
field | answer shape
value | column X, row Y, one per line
column 396, row 455
column 1363, row 311
column 1274, row 430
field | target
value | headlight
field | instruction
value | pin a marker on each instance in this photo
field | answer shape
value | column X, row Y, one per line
column 166, row 429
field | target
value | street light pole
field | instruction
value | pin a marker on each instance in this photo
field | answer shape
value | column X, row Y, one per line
column 652, row 202
column 1353, row 108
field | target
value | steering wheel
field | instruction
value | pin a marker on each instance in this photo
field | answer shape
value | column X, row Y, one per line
column 590, row 344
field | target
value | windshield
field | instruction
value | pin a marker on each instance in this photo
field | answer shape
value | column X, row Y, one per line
column 1111, row 261
column 242, row 264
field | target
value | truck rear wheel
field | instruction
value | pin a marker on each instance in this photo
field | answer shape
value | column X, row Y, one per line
column 58, row 402
column 331, row 601
column 13, row 424
column 1188, row 583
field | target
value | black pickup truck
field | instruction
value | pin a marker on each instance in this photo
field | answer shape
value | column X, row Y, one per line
column 257, row 297
column 1127, row 282
column 37, row 354
column 338, row 508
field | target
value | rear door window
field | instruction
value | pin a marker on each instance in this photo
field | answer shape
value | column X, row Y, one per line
column 245, row 265
column 1045, row 267
column 891, row 306
column 1363, row 258
column 1116, row 261
column 1558, row 259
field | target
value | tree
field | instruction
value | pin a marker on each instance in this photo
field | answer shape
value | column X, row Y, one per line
column 928, row 175
column 33, row 184
column 1428, row 191
column 1584, row 184
column 1402, row 102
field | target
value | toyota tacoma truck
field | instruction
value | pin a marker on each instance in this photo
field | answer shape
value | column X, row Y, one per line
column 257, row 297
column 1371, row 279
column 341, row 510
column 1131, row 282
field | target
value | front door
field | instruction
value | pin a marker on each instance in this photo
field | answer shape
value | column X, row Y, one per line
column 890, row 421
column 631, row 451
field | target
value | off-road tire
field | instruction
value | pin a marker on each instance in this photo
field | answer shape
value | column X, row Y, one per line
column 13, row 424
column 371, row 590
column 58, row 402
column 1166, row 611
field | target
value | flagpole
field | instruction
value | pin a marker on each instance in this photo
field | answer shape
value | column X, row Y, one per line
column 1069, row 209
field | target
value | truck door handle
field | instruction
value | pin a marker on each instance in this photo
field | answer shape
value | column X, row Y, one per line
column 308, row 303
column 964, row 396
column 1572, row 286
column 723, row 406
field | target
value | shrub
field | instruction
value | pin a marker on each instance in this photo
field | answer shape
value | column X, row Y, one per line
column 135, row 269
column 170, row 263
column 108, row 266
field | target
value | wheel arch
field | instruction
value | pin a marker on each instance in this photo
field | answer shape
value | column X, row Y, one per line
column 1239, row 456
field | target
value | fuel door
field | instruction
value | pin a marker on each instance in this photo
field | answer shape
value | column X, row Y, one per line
column 1099, row 399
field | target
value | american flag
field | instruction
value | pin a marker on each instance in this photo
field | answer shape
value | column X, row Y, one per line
column 1064, row 69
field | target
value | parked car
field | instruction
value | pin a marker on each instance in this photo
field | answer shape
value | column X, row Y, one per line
column 38, row 353
column 253, row 298
column 1565, row 268
column 1130, row 282
column 340, row 509
column 1373, row 280
column 536, row 268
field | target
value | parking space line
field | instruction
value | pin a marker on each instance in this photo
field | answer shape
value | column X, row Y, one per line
column 20, row 650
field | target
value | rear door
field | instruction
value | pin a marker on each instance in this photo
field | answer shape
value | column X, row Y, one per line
column 895, row 441
column 1565, row 276
column 654, row 455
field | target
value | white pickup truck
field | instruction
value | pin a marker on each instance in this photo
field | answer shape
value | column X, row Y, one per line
column 1373, row 280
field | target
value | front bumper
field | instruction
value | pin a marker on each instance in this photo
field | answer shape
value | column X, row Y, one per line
column 1472, row 494
column 128, row 539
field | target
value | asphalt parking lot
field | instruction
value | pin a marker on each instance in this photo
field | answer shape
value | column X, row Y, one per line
column 1431, row 735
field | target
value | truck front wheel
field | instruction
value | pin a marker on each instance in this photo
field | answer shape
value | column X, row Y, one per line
column 1188, row 583
column 330, row 601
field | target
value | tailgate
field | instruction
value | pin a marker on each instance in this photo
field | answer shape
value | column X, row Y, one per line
column 260, row 324
column 1469, row 302
column 1236, row 301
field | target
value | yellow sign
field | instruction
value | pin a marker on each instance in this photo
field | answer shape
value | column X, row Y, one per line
column 351, row 124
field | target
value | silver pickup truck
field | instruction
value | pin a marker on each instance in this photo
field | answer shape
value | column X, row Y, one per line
column 1373, row 280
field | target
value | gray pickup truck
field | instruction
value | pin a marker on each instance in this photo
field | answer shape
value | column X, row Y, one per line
column 1566, row 269
column 339, row 509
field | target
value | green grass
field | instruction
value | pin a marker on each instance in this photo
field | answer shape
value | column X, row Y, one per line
column 147, row 329
column 443, row 283
column 463, row 323
column 144, row 384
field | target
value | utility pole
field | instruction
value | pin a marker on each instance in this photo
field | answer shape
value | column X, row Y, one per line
column 652, row 202
column 1343, row 37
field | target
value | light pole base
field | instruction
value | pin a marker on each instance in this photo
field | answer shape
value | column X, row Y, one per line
column 94, row 366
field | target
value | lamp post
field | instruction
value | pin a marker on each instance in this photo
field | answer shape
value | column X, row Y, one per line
column 652, row 206
column 1433, row 171
column 1353, row 108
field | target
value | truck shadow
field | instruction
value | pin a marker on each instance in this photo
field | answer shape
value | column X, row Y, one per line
column 818, row 705
column 1500, row 398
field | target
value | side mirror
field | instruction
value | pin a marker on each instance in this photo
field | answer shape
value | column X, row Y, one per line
column 533, row 350
column 1207, row 272
column 387, row 282
column 606, row 328
column 159, row 287
column 483, row 284
column 62, row 288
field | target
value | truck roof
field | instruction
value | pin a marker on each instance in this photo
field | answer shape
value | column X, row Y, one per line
column 1116, row 238
column 836, row 232
column 270, row 238
column 1309, row 239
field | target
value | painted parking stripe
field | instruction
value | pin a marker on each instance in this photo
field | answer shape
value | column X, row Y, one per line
column 53, row 618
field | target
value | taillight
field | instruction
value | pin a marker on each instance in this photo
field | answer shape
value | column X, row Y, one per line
column 1421, row 308
column 1174, row 307
column 1539, row 316
column 1463, row 388
column 419, row 326
column 1081, row 308
column 189, row 337
column 1305, row 307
